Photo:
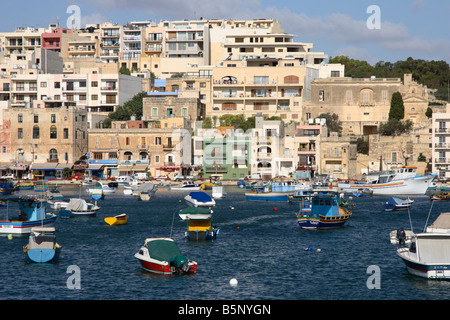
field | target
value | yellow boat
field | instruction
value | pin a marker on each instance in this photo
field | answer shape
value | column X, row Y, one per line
column 117, row 220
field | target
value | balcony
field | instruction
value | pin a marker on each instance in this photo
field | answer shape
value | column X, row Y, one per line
column 216, row 169
column 168, row 147
column 441, row 130
column 442, row 145
column 143, row 146
column 441, row 160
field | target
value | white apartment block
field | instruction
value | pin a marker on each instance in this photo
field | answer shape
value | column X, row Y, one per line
column 441, row 145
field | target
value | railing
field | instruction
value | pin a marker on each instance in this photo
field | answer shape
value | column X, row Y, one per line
column 442, row 145
column 441, row 160
column 143, row 146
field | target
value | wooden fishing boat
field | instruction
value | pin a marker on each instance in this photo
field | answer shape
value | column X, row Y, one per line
column 42, row 246
column 117, row 220
column 327, row 210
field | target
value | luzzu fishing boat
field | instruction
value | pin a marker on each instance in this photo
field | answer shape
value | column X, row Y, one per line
column 327, row 210
column 6, row 186
column 42, row 246
column 32, row 213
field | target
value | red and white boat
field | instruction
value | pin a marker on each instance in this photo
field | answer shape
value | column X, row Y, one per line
column 162, row 256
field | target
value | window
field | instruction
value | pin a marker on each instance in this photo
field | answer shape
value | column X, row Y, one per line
column 4, row 149
column 66, row 133
column 20, row 133
column 43, row 84
column 36, row 132
column 53, row 118
column 36, row 118
column 53, row 132
column 94, row 97
column 53, row 155
column 127, row 141
column 154, row 112
column 261, row 80
column 19, row 118
column 184, row 112
column 335, row 74
column 94, row 84
column 157, row 159
column 291, row 79
column 158, row 141
column 57, row 85
column 321, row 95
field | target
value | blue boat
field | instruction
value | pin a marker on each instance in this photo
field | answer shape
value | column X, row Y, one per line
column 6, row 186
column 42, row 246
column 275, row 191
column 327, row 210
column 241, row 183
column 32, row 213
column 199, row 199
column 363, row 192
column 299, row 196
column 396, row 204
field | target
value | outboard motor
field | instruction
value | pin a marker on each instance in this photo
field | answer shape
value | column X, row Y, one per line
column 401, row 236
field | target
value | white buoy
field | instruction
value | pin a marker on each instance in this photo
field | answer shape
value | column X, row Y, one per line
column 318, row 250
column 10, row 236
column 233, row 282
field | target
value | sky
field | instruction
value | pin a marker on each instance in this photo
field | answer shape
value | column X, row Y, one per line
column 393, row 30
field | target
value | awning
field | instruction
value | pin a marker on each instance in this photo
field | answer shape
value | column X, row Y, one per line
column 44, row 166
column 95, row 166
column 18, row 166
column 125, row 168
column 139, row 167
column 61, row 166
column 4, row 166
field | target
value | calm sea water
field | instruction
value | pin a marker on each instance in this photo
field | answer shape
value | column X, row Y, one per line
column 261, row 247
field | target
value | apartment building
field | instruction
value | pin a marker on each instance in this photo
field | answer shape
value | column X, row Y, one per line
column 270, row 86
column 139, row 146
column 21, row 40
column 98, row 93
column 307, row 141
column 440, row 145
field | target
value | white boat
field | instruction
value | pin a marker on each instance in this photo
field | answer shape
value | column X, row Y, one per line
column 195, row 213
column 199, row 199
column 217, row 192
column 107, row 188
column 88, row 182
column 185, row 186
column 77, row 208
column 428, row 255
column 397, row 181
column 148, row 187
column 124, row 180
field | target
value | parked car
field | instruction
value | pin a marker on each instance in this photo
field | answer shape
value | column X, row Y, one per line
column 8, row 176
column 163, row 177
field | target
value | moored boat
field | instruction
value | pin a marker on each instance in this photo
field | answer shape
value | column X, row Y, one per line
column 117, row 220
column 397, row 204
column 327, row 210
column 6, row 186
column 162, row 256
column 363, row 192
column 42, row 246
column 32, row 213
column 397, row 181
column 26, row 185
column 428, row 255
column 442, row 196
column 195, row 212
column 78, row 208
column 274, row 191
column 185, row 186
column 199, row 199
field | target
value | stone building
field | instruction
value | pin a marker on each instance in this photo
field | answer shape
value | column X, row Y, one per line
column 363, row 104
column 137, row 146
column 43, row 139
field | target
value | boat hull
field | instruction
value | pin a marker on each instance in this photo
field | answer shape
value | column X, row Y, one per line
column 43, row 255
column 161, row 267
column 268, row 196
column 117, row 220
column 328, row 222
column 24, row 227
column 424, row 270
column 412, row 186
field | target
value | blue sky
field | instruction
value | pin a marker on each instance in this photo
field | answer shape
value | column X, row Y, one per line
column 408, row 28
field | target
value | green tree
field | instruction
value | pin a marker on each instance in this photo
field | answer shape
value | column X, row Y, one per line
column 397, row 111
column 395, row 127
column 333, row 123
column 362, row 146
column 132, row 107
column 124, row 70
column 429, row 113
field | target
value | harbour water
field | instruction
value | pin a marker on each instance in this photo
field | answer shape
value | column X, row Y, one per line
column 259, row 244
